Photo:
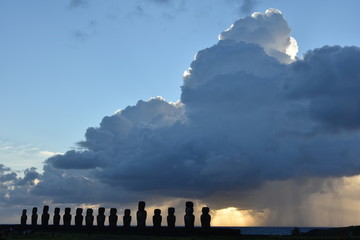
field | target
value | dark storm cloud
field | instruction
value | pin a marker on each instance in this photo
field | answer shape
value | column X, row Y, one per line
column 76, row 160
column 329, row 79
column 245, row 120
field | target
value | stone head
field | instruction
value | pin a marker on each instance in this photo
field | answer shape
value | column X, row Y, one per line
column 189, row 204
column 171, row 211
column 127, row 212
column 101, row 211
column 141, row 206
column 45, row 209
column 113, row 211
column 89, row 212
column 67, row 210
column 205, row 210
column 57, row 210
column 79, row 211
column 189, row 211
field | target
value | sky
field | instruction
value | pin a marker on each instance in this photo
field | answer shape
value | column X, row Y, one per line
column 111, row 102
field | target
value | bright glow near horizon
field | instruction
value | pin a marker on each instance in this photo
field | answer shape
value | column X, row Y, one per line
column 231, row 217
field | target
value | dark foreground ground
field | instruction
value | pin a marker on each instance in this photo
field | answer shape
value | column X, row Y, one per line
column 82, row 236
column 17, row 232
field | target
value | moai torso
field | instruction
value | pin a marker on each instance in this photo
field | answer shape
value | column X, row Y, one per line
column 127, row 218
column 205, row 218
column 141, row 215
column 189, row 217
column 100, row 219
column 171, row 218
column 45, row 216
column 56, row 217
column 67, row 217
column 23, row 217
column 79, row 217
column 89, row 219
column 34, row 217
column 157, row 218
column 113, row 218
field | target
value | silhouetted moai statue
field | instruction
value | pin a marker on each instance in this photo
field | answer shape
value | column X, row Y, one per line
column 141, row 215
column 67, row 217
column 23, row 217
column 34, row 216
column 45, row 216
column 56, row 217
column 100, row 219
column 127, row 218
column 157, row 218
column 205, row 218
column 113, row 218
column 79, row 217
column 171, row 218
column 89, row 219
column 189, row 218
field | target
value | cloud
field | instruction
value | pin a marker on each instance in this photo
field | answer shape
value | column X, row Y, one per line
column 168, row 8
column 252, row 120
column 248, row 6
column 87, row 32
column 161, row 1
column 78, row 4
column 328, row 80
column 269, row 30
column 20, row 157
column 15, row 190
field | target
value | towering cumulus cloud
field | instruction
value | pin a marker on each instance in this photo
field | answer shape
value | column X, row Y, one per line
column 251, row 115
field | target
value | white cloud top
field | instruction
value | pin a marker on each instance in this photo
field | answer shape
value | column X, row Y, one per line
column 269, row 30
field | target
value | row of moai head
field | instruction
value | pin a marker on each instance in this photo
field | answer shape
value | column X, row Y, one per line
column 89, row 218
column 141, row 216
column 189, row 218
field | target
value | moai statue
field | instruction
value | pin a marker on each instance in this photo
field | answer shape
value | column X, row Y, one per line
column 23, row 217
column 127, row 218
column 113, row 218
column 56, row 217
column 45, row 216
column 89, row 219
column 100, row 219
column 67, row 217
column 189, row 218
column 157, row 218
column 205, row 218
column 171, row 218
column 34, row 216
column 79, row 217
column 141, row 215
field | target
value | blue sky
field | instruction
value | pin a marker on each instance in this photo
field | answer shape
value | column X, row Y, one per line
column 65, row 65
